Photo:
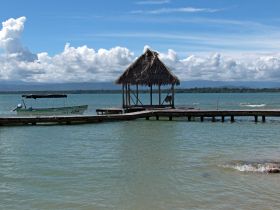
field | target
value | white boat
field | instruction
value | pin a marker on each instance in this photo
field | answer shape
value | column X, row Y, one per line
column 53, row 111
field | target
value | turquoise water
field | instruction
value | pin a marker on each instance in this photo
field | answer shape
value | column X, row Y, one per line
column 141, row 164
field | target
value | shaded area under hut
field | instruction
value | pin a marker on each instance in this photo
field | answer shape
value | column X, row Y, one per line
column 148, row 70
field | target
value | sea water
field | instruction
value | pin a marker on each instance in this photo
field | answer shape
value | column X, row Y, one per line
column 143, row 164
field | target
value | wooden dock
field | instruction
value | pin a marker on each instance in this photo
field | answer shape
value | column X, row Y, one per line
column 170, row 114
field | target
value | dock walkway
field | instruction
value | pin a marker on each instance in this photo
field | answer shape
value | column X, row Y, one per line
column 147, row 114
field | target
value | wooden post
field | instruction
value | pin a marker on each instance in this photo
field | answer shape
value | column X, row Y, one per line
column 129, row 94
column 189, row 118
column 123, row 95
column 263, row 118
column 201, row 118
column 231, row 118
column 256, row 118
column 223, row 118
column 159, row 95
column 151, row 94
column 126, row 98
column 157, row 117
column 173, row 95
column 213, row 119
column 170, row 118
column 137, row 94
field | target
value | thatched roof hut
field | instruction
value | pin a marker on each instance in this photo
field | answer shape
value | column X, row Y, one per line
column 147, row 70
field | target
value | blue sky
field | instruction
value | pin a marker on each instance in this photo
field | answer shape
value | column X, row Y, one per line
column 90, row 40
column 135, row 23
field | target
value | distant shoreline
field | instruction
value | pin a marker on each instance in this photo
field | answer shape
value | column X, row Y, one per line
column 179, row 90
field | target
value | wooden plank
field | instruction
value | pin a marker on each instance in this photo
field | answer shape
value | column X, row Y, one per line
column 157, row 113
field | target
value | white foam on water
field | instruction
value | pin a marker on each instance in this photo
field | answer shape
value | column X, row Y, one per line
column 255, row 167
column 252, row 105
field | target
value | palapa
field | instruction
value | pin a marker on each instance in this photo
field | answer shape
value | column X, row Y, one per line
column 148, row 70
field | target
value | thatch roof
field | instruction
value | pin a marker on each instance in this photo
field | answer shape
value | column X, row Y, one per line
column 148, row 70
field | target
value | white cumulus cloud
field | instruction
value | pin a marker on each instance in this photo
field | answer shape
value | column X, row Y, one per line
column 83, row 64
column 215, row 66
column 78, row 64
column 10, row 39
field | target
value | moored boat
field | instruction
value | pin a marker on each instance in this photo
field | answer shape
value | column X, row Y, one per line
column 23, row 110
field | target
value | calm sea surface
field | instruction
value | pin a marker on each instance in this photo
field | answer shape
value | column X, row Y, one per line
column 142, row 164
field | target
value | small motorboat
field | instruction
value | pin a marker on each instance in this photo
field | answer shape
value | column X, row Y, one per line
column 22, row 109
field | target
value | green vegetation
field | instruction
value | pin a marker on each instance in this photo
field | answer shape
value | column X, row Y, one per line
column 185, row 90
column 228, row 90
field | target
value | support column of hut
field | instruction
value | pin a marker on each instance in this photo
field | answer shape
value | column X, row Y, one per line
column 159, row 95
column 151, row 95
column 137, row 94
column 173, row 96
column 126, row 95
column 123, row 102
column 129, row 99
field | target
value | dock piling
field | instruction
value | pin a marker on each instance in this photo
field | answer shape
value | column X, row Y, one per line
column 256, row 118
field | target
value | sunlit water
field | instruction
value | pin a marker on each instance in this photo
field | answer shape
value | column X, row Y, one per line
column 142, row 164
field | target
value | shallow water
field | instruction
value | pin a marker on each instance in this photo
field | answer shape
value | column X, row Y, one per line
column 141, row 164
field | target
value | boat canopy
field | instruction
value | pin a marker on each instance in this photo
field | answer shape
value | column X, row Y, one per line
column 35, row 96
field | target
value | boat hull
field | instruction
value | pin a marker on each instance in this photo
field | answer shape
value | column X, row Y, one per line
column 71, row 110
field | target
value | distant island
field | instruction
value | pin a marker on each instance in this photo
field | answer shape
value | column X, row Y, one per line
column 196, row 86
column 178, row 90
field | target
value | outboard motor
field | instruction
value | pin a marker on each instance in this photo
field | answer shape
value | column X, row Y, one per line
column 19, row 106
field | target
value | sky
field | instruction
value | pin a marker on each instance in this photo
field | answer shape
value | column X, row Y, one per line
column 93, row 40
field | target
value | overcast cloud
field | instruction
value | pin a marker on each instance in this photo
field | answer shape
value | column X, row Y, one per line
column 78, row 64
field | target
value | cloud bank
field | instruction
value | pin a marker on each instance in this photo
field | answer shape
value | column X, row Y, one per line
column 78, row 64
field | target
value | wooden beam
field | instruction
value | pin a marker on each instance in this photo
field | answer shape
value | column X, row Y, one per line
column 256, row 118
column 151, row 95
column 129, row 103
column 201, row 118
column 123, row 95
column 159, row 95
column 137, row 94
column 173, row 95
column 126, row 98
